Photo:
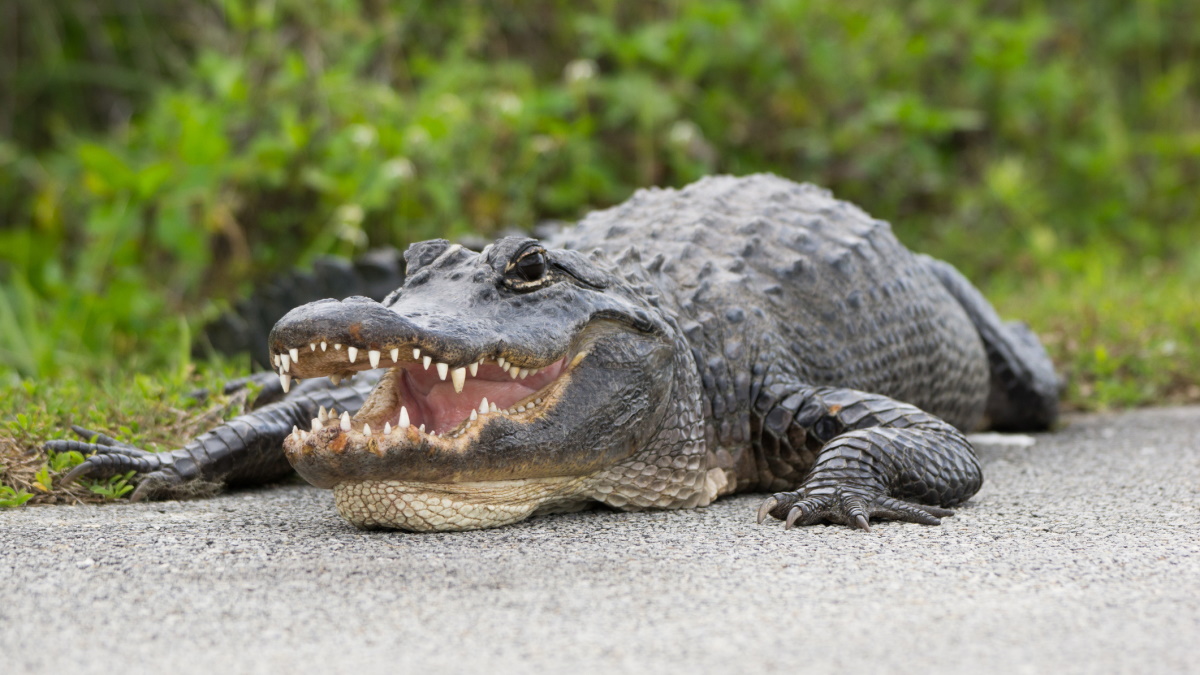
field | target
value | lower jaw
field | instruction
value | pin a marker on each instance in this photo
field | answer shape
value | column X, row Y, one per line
column 445, row 507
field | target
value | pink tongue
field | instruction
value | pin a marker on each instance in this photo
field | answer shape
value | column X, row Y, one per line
column 446, row 408
column 434, row 403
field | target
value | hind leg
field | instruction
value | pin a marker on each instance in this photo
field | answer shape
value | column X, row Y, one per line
column 1024, row 387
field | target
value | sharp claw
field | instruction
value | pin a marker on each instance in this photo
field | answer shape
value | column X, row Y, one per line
column 85, row 434
column 140, row 492
column 860, row 521
column 792, row 517
column 73, row 474
column 765, row 509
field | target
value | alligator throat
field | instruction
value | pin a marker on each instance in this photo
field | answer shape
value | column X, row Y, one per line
column 420, row 396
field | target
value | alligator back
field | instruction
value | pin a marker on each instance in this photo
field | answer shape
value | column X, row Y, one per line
column 766, row 274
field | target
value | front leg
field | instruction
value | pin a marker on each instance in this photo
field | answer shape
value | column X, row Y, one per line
column 245, row 450
column 875, row 458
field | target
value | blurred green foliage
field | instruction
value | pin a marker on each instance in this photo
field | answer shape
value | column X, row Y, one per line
column 158, row 155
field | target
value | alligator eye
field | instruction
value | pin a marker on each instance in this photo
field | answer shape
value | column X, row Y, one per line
column 532, row 265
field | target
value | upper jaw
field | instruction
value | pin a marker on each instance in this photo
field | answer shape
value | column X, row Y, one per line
column 338, row 338
column 436, row 383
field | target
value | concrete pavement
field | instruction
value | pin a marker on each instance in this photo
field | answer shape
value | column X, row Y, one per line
column 1081, row 554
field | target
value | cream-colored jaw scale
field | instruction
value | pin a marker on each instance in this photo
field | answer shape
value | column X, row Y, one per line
column 442, row 507
column 641, row 482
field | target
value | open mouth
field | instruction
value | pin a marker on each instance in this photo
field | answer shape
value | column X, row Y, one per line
column 410, row 458
column 422, row 398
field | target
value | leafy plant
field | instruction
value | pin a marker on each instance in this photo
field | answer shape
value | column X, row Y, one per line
column 10, row 497
column 56, row 463
column 42, row 479
column 63, row 461
column 114, row 487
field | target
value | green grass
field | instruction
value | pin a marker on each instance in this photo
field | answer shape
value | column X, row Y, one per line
column 1122, row 338
column 152, row 410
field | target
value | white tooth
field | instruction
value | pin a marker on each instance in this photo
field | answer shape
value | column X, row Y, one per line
column 538, row 401
column 474, row 415
column 322, row 414
column 374, row 357
column 316, row 425
column 524, row 373
column 474, row 368
column 427, row 360
column 492, row 408
column 312, row 346
column 346, row 421
column 286, row 381
column 337, row 346
column 303, row 435
column 433, row 433
column 335, row 379
column 416, row 353
column 442, row 369
column 483, row 406
column 521, row 408
column 295, row 354
column 387, row 428
column 459, row 377
column 324, row 345
column 275, row 360
column 403, row 424
column 366, row 429
column 395, row 354
column 295, row 430
column 501, row 362
column 285, row 363
column 332, row 414
column 514, row 371
column 352, row 352
column 422, row 428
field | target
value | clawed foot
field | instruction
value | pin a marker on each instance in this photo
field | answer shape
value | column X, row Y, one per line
column 846, row 507
column 107, row 456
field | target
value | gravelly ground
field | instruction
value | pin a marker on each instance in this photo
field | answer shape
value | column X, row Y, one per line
column 1081, row 554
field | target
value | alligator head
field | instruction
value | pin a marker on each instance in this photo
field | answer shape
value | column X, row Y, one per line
column 518, row 380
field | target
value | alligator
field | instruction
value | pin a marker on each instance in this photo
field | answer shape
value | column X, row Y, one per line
column 735, row 335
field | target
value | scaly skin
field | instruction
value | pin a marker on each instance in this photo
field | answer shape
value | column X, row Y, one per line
column 737, row 335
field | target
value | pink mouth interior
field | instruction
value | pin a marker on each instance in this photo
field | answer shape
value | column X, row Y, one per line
column 433, row 402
